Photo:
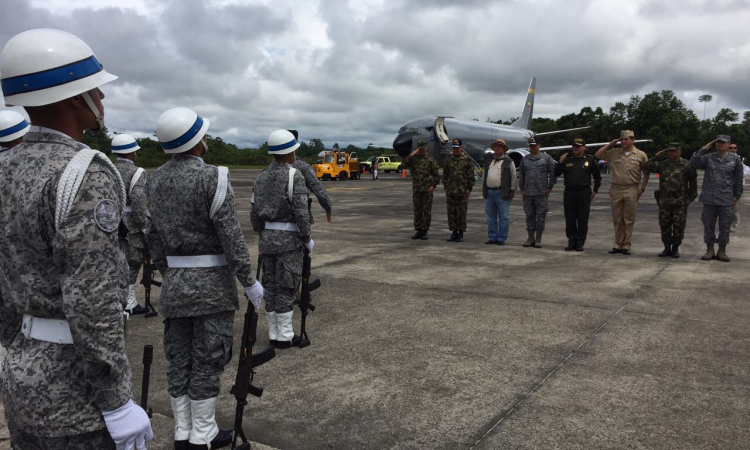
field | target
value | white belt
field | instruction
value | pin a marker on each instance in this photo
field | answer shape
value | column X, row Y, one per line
column 190, row 262
column 282, row 226
column 48, row 330
column 128, row 209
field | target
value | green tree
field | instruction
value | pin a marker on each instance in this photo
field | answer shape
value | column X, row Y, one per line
column 705, row 98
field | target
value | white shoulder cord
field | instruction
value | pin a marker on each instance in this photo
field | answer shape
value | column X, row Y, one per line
column 136, row 176
column 72, row 178
column 221, row 191
column 290, row 188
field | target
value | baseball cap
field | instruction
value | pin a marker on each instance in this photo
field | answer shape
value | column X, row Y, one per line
column 421, row 143
column 724, row 138
column 457, row 144
column 499, row 141
column 533, row 140
column 674, row 146
column 577, row 142
column 627, row 133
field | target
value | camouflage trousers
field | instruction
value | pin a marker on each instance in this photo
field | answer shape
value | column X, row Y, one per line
column 709, row 216
column 535, row 207
column 134, row 256
column 672, row 220
column 457, row 207
column 100, row 439
column 422, row 210
column 736, row 219
column 197, row 349
column 282, row 274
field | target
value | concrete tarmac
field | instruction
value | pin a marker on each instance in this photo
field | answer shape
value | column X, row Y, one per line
column 438, row 345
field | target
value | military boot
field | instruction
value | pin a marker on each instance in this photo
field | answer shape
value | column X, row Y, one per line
column 417, row 235
column 424, row 235
column 460, row 236
column 721, row 255
column 709, row 253
column 675, row 251
column 453, row 237
column 530, row 241
column 538, row 239
column 667, row 251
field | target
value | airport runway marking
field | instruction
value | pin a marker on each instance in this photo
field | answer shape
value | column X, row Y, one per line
column 346, row 189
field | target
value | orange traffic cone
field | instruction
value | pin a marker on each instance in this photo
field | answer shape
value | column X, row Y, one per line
column 657, row 174
column 403, row 173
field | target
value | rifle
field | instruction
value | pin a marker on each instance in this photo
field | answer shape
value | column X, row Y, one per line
column 147, row 281
column 305, row 297
column 148, row 358
column 243, row 382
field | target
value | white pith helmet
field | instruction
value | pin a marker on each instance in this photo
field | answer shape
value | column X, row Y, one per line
column 123, row 144
column 12, row 126
column 179, row 129
column 44, row 66
column 281, row 142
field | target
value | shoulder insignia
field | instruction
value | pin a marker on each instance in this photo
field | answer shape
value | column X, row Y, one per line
column 107, row 215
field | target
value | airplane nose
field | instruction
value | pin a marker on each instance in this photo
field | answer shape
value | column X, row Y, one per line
column 402, row 144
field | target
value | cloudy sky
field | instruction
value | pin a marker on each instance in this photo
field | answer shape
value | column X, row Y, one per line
column 354, row 71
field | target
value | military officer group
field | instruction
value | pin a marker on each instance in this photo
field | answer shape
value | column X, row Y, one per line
column 77, row 229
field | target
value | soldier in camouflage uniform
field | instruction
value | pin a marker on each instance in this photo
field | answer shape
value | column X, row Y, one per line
column 722, row 188
column 280, row 215
column 458, row 180
column 67, row 380
column 13, row 127
column 678, row 187
column 536, row 177
column 195, row 240
column 313, row 184
column 132, row 241
column 425, row 173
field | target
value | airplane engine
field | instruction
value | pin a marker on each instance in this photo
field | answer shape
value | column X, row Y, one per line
column 517, row 155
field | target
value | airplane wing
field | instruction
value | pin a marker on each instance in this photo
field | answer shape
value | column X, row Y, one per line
column 597, row 144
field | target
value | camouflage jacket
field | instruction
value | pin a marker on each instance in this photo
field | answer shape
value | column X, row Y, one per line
column 135, row 220
column 425, row 171
column 458, row 175
column 678, row 180
column 313, row 185
column 271, row 204
column 180, row 194
column 75, row 273
column 536, row 174
column 722, row 181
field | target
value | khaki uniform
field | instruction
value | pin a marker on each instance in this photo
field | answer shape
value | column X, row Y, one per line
column 626, row 178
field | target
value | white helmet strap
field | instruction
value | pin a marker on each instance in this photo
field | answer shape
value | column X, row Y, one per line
column 94, row 109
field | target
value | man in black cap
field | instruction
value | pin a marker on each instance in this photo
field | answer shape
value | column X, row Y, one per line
column 458, row 180
column 578, row 169
column 536, row 176
column 425, row 173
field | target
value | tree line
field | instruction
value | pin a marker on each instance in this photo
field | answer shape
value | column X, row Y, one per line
column 659, row 116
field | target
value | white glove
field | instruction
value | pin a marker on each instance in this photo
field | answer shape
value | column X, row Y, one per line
column 309, row 246
column 129, row 426
column 254, row 293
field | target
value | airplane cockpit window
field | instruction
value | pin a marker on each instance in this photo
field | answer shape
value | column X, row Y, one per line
column 341, row 159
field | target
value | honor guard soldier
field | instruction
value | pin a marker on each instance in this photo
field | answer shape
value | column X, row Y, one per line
column 678, row 187
column 13, row 127
column 536, row 177
column 67, row 379
column 279, row 214
column 132, row 241
column 578, row 170
column 312, row 182
column 195, row 240
column 425, row 173
column 458, row 180
column 722, row 189
column 627, row 187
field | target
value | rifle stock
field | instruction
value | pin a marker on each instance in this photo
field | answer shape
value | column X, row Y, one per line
column 147, row 281
column 305, row 297
column 148, row 358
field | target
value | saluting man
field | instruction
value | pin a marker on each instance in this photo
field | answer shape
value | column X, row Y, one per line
column 425, row 173
column 13, row 127
column 536, row 177
column 132, row 241
column 458, row 180
column 195, row 240
column 678, row 187
column 67, row 380
column 280, row 215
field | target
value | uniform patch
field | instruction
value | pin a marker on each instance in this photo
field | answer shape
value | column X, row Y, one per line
column 107, row 215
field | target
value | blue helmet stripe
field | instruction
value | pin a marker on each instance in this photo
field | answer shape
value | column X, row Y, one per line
column 125, row 147
column 14, row 129
column 52, row 77
column 185, row 138
column 276, row 148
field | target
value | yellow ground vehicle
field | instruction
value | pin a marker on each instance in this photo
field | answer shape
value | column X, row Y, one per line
column 338, row 165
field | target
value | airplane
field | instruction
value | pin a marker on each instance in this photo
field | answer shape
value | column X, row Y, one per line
column 439, row 132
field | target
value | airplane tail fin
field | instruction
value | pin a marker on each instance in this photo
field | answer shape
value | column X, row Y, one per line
column 528, row 109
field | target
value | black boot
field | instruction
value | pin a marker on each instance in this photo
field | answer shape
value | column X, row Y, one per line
column 667, row 251
column 460, row 236
column 675, row 251
column 181, row 445
column 453, row 237
column 571, row 246
column 223, row 439
column 417, row 235
column 424, row 235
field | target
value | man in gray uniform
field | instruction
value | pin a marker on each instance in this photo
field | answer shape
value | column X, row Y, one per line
column 196, row 242
column 536, row 177
column 312, row 182
column 13, row 127
column 279, row 214
column 67, row 382
column 132, row 241
column 722, row 188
